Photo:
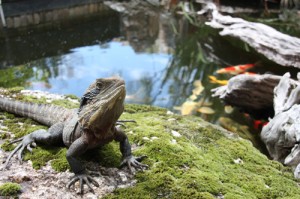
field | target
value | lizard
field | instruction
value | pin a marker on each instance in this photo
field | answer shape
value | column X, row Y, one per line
column 90, row 126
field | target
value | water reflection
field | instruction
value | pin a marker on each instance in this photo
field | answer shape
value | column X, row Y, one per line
column 73, row 72
column 159, row 55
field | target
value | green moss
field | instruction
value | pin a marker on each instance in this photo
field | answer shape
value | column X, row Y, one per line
column 9, row 115
column 107, row 156
column 65, row 103
column 6, row 146
column 201, row 163
column 10, row 189
column 15, row 89
column 59, row 162
column 21, row 126
column 74, row 97
column 4, row 136
column 42, row 100
column 133, row 108
column 42, row 154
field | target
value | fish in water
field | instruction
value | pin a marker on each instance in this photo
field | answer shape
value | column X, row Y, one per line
column 234, row 70
column 214, row 80
column 231, row 125
column 258, row 124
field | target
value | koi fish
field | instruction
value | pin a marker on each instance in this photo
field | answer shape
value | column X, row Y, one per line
column 235, row 127
column 234, row 70
column 258, row 124
column 214, row 80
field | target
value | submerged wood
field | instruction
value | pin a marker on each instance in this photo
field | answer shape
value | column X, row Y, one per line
column 276, row 46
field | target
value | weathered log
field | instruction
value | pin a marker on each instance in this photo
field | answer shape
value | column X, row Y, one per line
column 276, row 46
column 282, row 134
column 254, row 93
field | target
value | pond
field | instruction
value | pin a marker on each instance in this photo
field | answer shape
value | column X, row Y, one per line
column 162, row 56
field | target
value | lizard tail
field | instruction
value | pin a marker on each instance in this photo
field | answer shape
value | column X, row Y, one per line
column 46, row 114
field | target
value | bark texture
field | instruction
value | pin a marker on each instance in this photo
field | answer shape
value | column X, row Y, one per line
column 276, row 46
column 248, row 92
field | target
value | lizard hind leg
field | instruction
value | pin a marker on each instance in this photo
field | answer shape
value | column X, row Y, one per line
column 52, row 136
column 27, row 141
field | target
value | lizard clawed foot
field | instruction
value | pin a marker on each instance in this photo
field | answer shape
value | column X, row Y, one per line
column 27, row 141
column 83, row 178
column 132, row 161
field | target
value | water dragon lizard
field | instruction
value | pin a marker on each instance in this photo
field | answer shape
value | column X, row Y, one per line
column 90, row 126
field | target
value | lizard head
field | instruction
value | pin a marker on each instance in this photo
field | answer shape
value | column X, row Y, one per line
column 104, row 105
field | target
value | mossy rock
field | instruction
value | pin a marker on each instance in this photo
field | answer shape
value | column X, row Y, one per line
column 187, row 158
column 204, row 162
column 9, row 189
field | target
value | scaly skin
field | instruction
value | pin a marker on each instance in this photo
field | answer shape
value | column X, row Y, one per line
column 43, row 113
column 91, row 126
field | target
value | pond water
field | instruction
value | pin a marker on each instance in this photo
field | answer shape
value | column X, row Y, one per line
column 160, row 55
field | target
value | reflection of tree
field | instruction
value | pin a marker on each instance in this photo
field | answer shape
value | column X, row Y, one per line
column 15, row 76
column 140, row 30
column 147, row 88
column 37, row 71
column 193, row 60
column 146, row 28
column 45, row 68
column 188, row 61
column 140, row 91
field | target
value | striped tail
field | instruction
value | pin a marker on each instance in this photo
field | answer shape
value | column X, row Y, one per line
column 43, row 113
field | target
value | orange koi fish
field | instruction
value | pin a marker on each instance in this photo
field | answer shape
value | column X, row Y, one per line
column 214, row 80
column 234, row 70
column 258, row 124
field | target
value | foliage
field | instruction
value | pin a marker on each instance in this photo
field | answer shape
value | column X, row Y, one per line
column 15, row 76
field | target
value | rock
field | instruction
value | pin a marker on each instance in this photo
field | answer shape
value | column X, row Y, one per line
column 199, row 164
column 175, row 133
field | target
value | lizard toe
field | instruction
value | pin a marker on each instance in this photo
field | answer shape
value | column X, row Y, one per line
column 83, row 178
column 134, row 162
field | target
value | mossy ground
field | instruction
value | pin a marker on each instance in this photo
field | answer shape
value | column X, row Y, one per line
column 201, row 163
column 9, row 189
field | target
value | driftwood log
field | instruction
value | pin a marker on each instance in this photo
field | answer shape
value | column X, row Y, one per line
column 254, row 93
column 282, row 134
column 250, row 93
column 276, row 46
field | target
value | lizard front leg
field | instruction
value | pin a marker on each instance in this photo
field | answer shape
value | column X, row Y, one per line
column 78, row 147
column 125, row 148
